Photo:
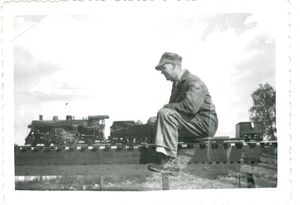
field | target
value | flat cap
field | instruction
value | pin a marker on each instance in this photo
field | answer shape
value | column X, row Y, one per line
column 168, row 57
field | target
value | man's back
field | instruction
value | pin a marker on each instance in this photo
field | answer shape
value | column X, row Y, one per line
column 191, row 96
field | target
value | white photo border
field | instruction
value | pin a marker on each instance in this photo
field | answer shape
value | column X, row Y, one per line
column 280, row 195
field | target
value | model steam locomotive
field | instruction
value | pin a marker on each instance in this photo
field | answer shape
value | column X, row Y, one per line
column 91, row 131
column 68, row 132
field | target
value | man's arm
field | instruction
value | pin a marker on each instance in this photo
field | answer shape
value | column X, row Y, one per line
column 194, row 98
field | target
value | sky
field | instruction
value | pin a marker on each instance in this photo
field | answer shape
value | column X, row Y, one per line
column 104, row 64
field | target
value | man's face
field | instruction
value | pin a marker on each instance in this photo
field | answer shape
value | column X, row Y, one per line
column 168, row 71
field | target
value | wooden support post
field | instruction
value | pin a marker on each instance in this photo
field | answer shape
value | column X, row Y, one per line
column 250, row 180
column 165, row 181
column 239, row 179
column 100, row 182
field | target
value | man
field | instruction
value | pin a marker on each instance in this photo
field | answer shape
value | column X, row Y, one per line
column 189, row 114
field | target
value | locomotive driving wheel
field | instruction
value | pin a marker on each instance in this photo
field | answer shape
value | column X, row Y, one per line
column 137, row 141
column 47, row 144
column 125, row 140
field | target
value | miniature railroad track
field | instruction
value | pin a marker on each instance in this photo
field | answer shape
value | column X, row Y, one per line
column 225, row 152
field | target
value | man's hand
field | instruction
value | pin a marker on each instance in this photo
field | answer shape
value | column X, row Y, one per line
column 152, row 120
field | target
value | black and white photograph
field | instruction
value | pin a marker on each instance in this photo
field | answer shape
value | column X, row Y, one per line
column 146, row 97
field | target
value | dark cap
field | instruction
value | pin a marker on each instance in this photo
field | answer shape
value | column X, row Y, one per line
column 167, row 57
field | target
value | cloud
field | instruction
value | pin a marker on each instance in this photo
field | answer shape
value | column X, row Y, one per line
column 261, row 66
column 224, row 22
column 29, row 70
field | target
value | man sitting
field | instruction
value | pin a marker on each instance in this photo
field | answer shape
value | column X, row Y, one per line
column 190, row 110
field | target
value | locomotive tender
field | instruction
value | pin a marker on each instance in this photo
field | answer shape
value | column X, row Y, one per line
column 130, row 132
column 90, row 131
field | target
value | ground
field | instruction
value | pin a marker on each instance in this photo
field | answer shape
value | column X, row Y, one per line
column 139, row 178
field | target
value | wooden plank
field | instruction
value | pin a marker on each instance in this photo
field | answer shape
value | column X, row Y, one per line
column 80, row 157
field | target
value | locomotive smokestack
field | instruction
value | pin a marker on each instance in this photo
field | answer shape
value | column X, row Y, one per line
column 41, row 117
column 55, row 117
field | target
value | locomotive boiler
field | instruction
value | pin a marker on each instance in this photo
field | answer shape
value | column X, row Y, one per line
column 70, row 131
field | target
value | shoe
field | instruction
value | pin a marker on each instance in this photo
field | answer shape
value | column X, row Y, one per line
column 169, row 167
column 161, row 158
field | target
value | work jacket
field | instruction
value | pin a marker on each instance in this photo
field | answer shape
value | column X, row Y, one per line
column 191, row 98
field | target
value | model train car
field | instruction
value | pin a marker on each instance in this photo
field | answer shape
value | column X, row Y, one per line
column 249, row 131
column 69, row 131
column 130, row 132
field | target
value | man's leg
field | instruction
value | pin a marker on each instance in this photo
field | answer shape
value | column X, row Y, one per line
column 166, row 137
column 170, row 123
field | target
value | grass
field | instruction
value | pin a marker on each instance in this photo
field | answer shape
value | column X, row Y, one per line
column 149, row 181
